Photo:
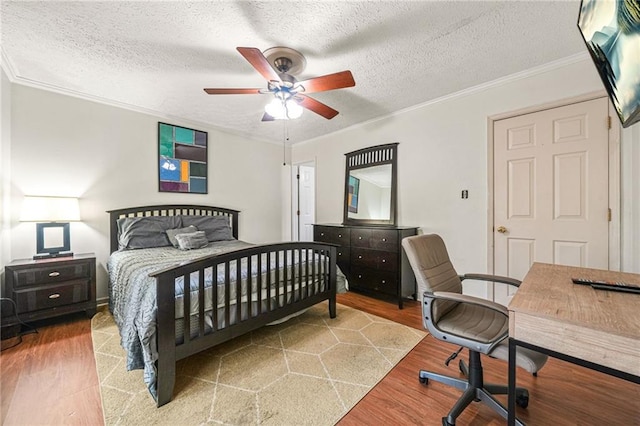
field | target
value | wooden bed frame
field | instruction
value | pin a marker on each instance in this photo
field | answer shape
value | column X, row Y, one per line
column 299, row 298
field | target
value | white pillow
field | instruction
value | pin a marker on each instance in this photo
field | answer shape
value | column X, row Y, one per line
column 171, row 233
column 194, row 240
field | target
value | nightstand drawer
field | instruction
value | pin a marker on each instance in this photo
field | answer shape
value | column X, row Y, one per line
column 50, row 296
column 51, row 274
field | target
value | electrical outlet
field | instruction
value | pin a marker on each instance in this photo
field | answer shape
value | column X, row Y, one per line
column 465, row 194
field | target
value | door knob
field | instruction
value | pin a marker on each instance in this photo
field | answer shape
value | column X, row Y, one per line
column 501, row 229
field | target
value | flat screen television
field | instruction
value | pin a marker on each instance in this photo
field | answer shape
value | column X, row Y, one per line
column 611, row 31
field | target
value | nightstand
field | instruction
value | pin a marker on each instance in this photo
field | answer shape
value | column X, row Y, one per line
column 49, row 288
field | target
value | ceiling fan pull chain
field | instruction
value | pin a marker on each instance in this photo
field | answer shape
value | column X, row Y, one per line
column 285, row 137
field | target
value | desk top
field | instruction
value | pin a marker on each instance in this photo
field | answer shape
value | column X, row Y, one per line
column 601, row 326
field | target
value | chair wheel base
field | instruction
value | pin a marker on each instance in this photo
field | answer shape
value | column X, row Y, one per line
column 522, row 399
column 422, row 377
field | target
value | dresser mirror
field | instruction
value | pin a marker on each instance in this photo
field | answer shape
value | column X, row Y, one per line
column 370, row 186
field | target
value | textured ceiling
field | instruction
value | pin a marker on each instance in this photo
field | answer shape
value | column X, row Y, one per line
column 158, row 56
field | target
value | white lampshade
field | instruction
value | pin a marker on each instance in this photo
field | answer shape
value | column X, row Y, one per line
column 50, row 209
column 283, row 111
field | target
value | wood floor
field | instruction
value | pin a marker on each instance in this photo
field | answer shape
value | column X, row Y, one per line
column 50, row 379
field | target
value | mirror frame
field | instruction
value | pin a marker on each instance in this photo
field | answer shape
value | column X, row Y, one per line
column 367, row 157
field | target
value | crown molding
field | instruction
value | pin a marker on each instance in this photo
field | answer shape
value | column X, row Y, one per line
column 7, row 66
column 550, row 66
column 14, row 78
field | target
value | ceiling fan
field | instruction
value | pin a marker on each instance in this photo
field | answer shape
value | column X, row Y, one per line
column 279, row 66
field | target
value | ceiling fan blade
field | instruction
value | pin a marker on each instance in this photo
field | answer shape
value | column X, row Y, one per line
column 316, row 106
column 232, row 91
column 338, row 80
column 267, row 117
column 259, row 62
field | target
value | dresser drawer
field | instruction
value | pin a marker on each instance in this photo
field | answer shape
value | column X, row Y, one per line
column 50, row 274
column 379, row 239
column 343, row 255
column 364, row 258
column 373, row 279
column 331, row 234
column 376, row 259
column 384, row 239
column 360, row 237
column 49, row 296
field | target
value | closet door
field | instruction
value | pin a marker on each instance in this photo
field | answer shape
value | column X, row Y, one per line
column 551, row 187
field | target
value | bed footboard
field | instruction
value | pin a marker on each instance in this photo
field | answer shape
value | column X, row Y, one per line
column 230, row 294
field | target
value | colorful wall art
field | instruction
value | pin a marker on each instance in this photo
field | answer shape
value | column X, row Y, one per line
column 182, row 155
column 354, row 192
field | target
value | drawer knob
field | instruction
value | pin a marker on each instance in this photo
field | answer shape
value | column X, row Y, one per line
column 359, row 257
column 322, row 234
column 359, row 276
column 384, row 260
column 339, row 254
column 54, row 296
column 383, row 281
column 384, row 239
column 359, row 238
column 54, row 274
column 339, row 235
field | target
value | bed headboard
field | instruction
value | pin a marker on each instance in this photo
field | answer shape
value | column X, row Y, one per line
column 168, row 210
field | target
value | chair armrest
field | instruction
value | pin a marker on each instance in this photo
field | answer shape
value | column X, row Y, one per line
column 484, row 346
column 464, row 298
column 495, row 278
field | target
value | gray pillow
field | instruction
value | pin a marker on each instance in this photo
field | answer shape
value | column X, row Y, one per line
column 171, row 233
column 216, row 228
column 145, row 232
column 194, row 240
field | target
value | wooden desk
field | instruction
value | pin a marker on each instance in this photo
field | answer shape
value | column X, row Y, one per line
column 598, row 329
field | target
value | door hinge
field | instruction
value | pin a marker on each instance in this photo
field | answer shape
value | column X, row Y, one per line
column 609, row 215
column 609, row 122
column 298, row 212
column 298, row 175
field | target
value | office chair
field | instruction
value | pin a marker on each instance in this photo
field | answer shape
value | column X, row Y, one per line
column 480, row 325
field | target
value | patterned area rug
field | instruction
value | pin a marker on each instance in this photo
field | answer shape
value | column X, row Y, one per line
column 310, row 370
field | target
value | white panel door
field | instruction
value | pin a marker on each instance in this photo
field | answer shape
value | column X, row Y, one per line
column 306, row 200
column 551, row 190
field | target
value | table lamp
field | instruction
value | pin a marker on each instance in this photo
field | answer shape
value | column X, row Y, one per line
column 52, row 215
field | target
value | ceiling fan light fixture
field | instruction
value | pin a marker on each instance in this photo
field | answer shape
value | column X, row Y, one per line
column 279, row 66
column 281, row 109
column 294, row 110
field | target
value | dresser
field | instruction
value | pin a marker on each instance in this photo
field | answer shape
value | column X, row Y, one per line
column 48, row 288
column 372, row 259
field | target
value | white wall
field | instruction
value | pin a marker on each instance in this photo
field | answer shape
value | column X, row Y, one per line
column 630, row 199
column 107, row 156
column 5, row 168
column 443, row 150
